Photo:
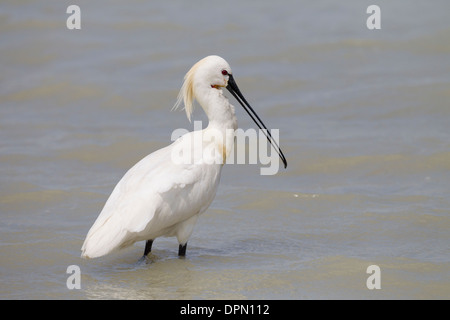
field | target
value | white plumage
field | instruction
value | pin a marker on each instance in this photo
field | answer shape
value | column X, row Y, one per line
column 161, row 195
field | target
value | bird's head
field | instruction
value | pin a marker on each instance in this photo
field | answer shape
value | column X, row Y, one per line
column 210, row 72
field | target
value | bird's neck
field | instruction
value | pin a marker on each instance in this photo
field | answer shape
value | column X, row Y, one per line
column 220, row 112
column 222, row 120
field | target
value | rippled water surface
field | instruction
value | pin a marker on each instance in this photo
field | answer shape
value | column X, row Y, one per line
column 364, row 122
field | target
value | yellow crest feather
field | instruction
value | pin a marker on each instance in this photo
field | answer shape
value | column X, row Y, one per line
column 187, row 94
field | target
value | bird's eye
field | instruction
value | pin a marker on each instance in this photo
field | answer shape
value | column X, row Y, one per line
column 225, row 72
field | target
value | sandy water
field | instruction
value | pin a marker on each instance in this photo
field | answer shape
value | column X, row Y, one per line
column 364, row 123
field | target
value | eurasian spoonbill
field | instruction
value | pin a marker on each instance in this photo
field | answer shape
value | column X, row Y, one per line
column 162, row 197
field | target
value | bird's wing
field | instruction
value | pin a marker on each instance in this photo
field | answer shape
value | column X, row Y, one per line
column 143, row 192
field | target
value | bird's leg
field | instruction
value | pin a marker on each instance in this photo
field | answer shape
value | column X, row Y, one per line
column 148, row 247
column 182, row 250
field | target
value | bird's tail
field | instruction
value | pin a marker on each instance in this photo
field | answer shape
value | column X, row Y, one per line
column 102, row 241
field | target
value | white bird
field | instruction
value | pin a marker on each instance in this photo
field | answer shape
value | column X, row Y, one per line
column 162, row 197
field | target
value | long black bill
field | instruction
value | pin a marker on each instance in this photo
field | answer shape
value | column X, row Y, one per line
column 234, row 90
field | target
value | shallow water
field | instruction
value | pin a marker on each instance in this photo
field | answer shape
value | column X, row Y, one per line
column 364, row 123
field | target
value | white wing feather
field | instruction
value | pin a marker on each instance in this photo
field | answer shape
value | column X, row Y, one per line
column 150, row 200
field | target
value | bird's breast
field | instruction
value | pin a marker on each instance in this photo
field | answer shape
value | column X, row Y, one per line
column 218, row 143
